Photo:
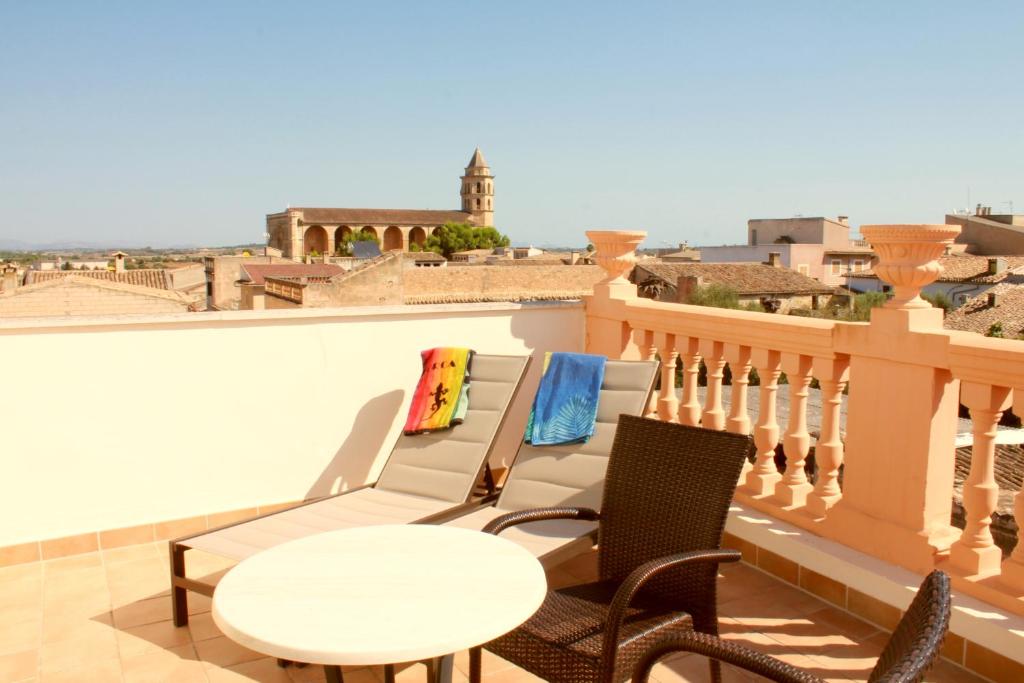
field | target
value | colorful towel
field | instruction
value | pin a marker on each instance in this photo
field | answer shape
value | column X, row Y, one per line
column 441, row 398
column 565, row 408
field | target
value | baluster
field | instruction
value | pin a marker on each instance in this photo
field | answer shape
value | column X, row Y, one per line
column 761, row 479
column 739, row 364
column 1013, row 567
column 793, row 489
column 668, row 404
column 975, row 553
column 713, row 416
column 644, row 339
column 828, row 451
column 689, row 411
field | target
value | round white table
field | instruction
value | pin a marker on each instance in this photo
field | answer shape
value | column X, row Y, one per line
column 379, row 595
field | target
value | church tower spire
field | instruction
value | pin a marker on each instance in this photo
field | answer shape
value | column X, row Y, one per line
column 478, row 190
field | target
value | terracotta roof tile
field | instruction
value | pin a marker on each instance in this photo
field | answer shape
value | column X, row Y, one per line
column 154, row 278
column 976, row 315
column 259, row 272
column 748, row 279
column 359, row 217
column 971, row 268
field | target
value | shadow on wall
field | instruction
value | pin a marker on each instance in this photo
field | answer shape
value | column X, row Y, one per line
column 354, row 459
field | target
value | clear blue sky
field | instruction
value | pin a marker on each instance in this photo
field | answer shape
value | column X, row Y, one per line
column 187, row 122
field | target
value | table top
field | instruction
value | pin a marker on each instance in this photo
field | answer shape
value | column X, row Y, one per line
column 379, row 594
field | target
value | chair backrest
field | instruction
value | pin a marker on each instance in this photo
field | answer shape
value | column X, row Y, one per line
column 917, row 640
column 446, row 465
column 668, row 491
column 573, row 474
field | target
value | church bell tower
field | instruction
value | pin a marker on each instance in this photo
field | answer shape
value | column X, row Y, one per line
column 478, row 190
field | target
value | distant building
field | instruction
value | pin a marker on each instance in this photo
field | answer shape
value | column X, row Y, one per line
column 988, row 234
column 223, row 273
column 76, row 294
column 963, row 276
column 385, row 281
column 817, row 247
column 1003, row 304
column 252, row 283
column 186, row 280
column 780, row 287
column 301, row 231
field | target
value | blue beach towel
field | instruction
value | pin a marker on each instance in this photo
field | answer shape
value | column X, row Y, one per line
column 565, row 408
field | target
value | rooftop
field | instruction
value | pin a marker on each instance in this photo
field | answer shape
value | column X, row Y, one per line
column 258, row 272
column 748, row 279
column 971, row 268
column 154, row 278
column 312, row 215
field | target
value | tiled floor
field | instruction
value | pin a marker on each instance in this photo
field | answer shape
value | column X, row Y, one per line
column 105, row 617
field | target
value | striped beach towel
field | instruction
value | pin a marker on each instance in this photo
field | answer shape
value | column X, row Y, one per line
column 442, row 394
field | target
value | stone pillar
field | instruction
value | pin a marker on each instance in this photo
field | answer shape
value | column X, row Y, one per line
column 10, row 278
column 607, row 331
column 898, row 476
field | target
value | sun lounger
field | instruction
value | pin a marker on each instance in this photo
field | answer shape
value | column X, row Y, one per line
column 568, row 475
column 427, row 478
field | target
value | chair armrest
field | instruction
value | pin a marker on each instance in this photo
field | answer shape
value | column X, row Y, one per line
column 632, row 584
column 499, row 524
column 724, row 651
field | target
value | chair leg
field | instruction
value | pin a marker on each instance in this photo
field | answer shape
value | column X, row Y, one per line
column 475, row 657
column 716, row 670
column 179, row 596
column 389, row 673
column 333, row 674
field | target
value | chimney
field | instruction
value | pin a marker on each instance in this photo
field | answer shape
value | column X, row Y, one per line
column 845, row 220
column 574, row 258
column 10, row 272
column 775, row 259
column 993, row 299
column 686, row 285
column 996, row 265
column 118, row 261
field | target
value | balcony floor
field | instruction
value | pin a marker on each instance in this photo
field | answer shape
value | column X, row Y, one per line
column 105, row 617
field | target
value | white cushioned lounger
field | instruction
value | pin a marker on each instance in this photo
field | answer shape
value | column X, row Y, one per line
column 426, row 475
column 568, row 475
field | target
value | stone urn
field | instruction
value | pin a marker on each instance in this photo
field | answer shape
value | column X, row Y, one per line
column 908, row 258
column 615, row 251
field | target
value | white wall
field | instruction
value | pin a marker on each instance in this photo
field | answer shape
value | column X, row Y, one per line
column 209, row 412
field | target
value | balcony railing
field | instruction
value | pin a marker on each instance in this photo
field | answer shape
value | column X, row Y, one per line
column 906, row 377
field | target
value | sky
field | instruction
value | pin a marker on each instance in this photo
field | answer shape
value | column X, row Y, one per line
column 187, row 122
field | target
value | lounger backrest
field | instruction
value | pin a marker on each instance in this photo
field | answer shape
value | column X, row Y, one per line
column 573, row 474
column 445, row 465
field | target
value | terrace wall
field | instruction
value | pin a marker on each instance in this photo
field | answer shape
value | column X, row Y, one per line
column 293, row 404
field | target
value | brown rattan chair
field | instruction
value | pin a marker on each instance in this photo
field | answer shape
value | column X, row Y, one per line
column 908, row 655
column 665, row 501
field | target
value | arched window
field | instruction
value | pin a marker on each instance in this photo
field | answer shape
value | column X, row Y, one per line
column 490, row 188
column 478, row 202
column 488, row 204
column 478, row 187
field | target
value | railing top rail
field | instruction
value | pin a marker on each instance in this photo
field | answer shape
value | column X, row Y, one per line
column 809, row 336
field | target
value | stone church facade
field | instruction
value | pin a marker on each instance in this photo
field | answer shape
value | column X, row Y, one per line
column 301, row 231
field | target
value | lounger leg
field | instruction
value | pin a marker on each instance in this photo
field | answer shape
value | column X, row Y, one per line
column 333, row 673
column 444, row 668
column 475, row 656
column 179, row 596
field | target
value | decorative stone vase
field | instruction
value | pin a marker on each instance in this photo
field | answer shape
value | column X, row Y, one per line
column 616, row 252
column 908, row 258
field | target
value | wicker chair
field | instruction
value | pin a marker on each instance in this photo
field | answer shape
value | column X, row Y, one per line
column 908, row 655
column 666, row 496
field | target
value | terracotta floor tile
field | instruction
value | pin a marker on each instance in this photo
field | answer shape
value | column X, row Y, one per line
column 178, row 664
column 201, row 627
column 490, row 663
column 693, row 669
column 20, row 635
column 64, row 626
column 771, row 607
column 843, row 622
column 142, row 612
column 72, row 563
column 224, row 652
column 15, row 666
column 131, row 553
column 139, row 640
column 17, row 572
column 944, row 672
column 263, row 670
column 93, row 671
column 89, row 646
column 197, row 604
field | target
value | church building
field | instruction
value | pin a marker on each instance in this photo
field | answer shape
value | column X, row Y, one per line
column 300, row 231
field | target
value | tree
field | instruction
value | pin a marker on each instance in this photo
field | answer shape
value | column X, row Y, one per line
column 939, row 300
column 344, row 247
column 716, row 296
column 995, row 330
column 453, row 237
column 66, row 265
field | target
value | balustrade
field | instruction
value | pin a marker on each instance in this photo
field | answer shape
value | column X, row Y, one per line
column 904, row 373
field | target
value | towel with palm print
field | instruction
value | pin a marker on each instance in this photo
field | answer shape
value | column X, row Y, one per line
column 565, row 407
column 441, row 398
